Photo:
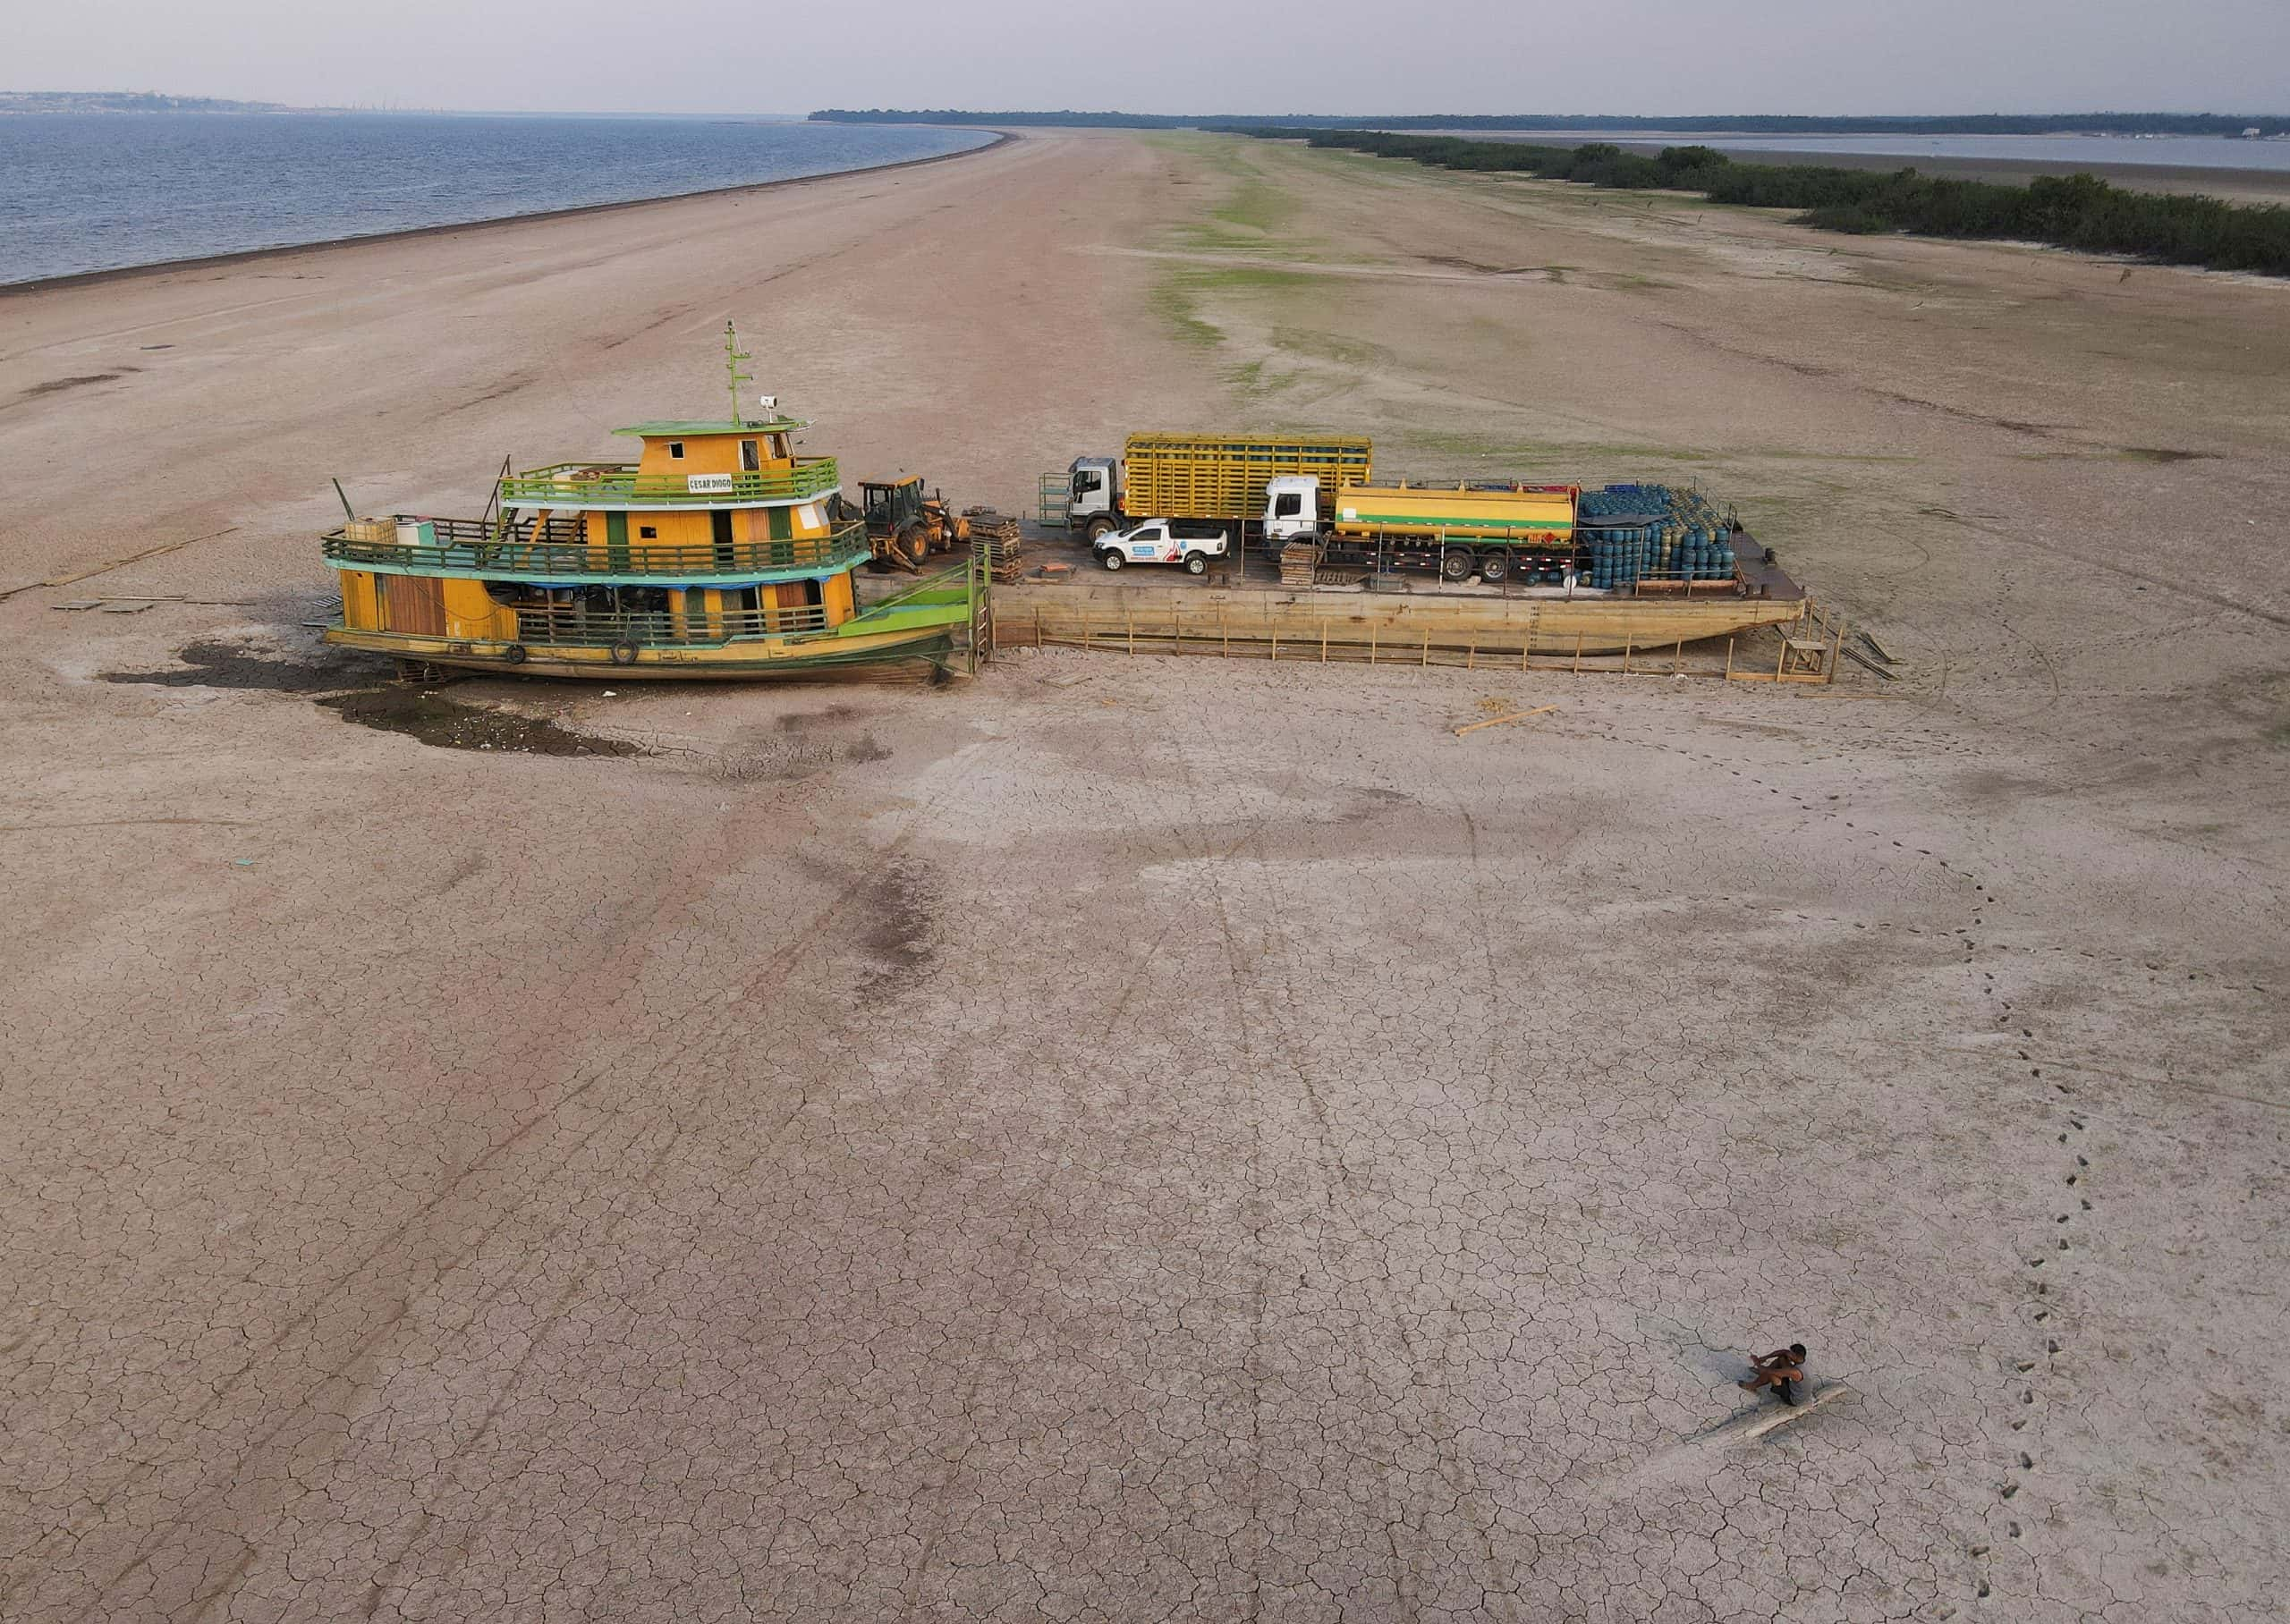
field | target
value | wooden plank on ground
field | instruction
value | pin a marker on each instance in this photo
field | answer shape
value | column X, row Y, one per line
column 1472, row 727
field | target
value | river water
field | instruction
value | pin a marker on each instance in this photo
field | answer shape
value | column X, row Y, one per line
column 87, row 193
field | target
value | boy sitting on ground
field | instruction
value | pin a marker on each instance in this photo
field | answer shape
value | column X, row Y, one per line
column 1782, row 1370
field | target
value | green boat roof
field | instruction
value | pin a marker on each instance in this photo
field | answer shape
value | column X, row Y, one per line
column 695, row 429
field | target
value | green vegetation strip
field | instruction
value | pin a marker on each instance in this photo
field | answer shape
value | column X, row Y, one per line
column 2077, row 211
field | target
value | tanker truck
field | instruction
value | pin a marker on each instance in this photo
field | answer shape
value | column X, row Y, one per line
column 1618, row 538
column 1496, row 531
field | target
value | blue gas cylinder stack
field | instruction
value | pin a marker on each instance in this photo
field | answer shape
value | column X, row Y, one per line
column 1676, row 536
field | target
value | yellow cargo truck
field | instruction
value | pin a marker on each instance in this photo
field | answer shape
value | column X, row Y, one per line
column 1205, row 477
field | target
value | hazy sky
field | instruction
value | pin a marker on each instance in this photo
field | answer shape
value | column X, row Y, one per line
column 1652, row 56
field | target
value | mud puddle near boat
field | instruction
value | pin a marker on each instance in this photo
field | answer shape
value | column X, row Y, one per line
column 796, row 743
column 250, row 667
column 353, row 689
column 429, row 716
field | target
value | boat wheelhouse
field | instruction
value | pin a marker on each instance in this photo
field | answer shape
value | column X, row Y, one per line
column 718, row 551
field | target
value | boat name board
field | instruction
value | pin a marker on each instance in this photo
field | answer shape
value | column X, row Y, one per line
column 708, row 484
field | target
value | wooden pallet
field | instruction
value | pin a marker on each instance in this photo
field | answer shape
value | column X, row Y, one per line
column 999, row 542
column 1300, row 563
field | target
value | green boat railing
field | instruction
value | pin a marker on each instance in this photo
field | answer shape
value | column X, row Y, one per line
column 555, row 551
column 571, row 626
column 943, row 595
column 950, row 584
column 597, row 485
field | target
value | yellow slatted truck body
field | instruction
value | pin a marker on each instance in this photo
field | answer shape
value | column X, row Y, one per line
column 1197, row 477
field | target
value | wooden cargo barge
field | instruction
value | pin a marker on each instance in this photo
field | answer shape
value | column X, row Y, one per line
column 1377, row 627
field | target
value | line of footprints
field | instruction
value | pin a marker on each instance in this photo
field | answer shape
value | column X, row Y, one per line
column 2077, row 1174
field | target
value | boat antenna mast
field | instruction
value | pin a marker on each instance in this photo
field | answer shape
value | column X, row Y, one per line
column 733, row 356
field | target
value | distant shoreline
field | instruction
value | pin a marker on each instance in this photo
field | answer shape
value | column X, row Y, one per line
column 159, row 268
column 1593, row 126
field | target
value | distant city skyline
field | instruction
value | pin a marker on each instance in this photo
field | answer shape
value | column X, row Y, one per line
column 1199, row 56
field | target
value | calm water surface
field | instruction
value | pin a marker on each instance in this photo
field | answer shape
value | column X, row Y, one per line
column 89, row 193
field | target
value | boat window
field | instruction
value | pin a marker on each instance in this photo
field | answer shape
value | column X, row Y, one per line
column 675, row 448
column 748, row 458
column 780, row 451
column 649, row 532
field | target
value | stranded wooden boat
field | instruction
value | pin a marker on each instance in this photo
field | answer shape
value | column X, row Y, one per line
column 718, row 553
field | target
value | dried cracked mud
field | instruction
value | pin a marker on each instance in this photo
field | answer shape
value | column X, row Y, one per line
column 1137, row 1139
column 358, row 688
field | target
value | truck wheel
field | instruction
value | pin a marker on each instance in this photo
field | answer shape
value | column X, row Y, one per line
column 1456, row 564
column 915, row 543
column 1113, row 558
column 1494, row 566
column 1196, row 563
column 1099, row 525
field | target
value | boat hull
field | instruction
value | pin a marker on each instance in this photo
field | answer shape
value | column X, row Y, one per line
column 747, row 659
column 1556, row 624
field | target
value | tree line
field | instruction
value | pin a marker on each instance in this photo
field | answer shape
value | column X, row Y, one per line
column 2077, row 211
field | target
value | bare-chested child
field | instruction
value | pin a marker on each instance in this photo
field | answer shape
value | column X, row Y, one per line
column 1782, row 1370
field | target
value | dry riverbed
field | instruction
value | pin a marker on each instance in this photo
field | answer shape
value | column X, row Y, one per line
column 1144, row 1138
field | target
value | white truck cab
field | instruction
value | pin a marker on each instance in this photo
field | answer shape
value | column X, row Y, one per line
column 1291, row 507
column 1097, row 489
column 1190, row 542
column 1095, row 495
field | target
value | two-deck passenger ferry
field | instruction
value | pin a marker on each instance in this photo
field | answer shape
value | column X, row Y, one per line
column 717, row 553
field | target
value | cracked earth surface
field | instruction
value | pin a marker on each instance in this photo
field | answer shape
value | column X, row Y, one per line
column 1135, row 1140
column 1114, row 1160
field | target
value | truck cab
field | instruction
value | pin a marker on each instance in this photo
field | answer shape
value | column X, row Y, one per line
column 1094, row 496
column 1291, row 508
column 1190, row 542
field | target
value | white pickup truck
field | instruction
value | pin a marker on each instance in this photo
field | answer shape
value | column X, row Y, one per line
column 1190, row 542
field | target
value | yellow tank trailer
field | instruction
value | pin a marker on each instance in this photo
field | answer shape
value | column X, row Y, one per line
column 1536, row 515
column 1496, row 531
